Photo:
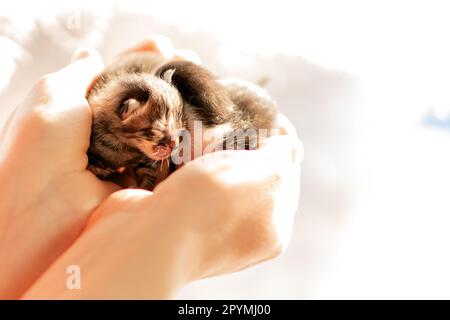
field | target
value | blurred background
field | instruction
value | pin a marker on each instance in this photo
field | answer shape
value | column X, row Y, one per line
column 365, row 83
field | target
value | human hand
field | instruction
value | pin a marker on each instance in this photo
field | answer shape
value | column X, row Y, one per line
column 217, row 214
column 47, row 193
column 239, row 206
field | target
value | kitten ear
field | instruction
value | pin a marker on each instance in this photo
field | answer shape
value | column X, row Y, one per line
column 167, row 75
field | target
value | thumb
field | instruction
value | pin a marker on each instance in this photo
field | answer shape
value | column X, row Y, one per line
column 68, row 109
column 130, row 201
column 79, row 75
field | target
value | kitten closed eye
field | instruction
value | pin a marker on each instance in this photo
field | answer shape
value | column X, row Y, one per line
column 140, row 104
column 128, row 107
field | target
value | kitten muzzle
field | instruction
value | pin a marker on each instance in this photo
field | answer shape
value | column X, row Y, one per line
column 161, row 152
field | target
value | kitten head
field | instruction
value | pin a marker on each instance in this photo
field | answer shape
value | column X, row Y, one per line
column 136, row 111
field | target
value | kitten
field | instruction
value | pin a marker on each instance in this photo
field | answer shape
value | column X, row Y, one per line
column 140, row 103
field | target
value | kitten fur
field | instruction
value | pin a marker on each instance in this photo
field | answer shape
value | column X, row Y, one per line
column 141, row 101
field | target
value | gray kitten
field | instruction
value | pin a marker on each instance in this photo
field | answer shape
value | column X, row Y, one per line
column 140, row 103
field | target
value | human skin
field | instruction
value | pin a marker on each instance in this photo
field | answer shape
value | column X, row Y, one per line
column 212, row 216
column 47, row 193
column 217, row 214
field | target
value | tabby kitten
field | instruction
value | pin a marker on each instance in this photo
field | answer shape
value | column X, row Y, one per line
column 142, row 102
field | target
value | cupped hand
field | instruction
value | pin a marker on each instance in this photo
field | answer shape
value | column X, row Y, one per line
column 47, row 193
column 220, row 213
column 237, row 207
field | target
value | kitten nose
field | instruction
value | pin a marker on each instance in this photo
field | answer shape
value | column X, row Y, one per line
column 169, row 141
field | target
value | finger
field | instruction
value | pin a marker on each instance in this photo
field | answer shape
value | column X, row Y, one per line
column 157, row 44
column 125, row 200
column 126, row 195
column 6, row 125
column 110, row 186
column 283, row 147
column 189, row 55
column 285, row 126
column 60, row 99
column 78, row 76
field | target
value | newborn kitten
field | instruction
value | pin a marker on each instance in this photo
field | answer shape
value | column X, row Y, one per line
column 140, row 102
column 135, row 118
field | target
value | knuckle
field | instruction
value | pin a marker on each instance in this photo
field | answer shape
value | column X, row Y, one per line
column 272, row 244
column 41, row 91
column 272, row 237
column 266, row 244
column 276, row 253
column 276, row 179
column 277, row 248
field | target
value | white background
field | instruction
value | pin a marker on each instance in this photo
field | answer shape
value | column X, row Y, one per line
column 359, row 79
